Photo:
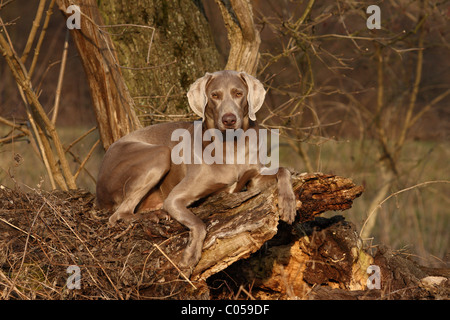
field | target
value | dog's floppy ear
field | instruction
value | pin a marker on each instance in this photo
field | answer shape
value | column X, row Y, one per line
column 255, row 96
column 197, row 95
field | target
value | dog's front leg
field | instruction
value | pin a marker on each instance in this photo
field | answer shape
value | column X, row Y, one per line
column 176, row 205
column 286, row 196
column 287, row 202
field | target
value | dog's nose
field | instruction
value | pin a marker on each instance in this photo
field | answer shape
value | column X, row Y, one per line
column 229, row 119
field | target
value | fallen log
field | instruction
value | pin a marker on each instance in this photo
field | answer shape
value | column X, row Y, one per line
column 239, row 224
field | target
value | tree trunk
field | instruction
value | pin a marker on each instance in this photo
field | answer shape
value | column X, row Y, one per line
column 242, row 34
column 113, row 105
column 175, row 38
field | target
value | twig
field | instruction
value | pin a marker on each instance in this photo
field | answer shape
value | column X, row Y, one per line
column 241, row 288
column 118, row 236
column 300, row 21
column 39, row 241
column 12, row 138
column 111, row 50
column 41, row 38
column 79, row 139
column 33, row 31
column 37, row 137
column 22, row 79
column 16, row 67
column 182, row 274
column 145, row 263
column 122, row 272
column 414, row 92
column 427, row 107
column 81, row 167
column 3, row 4
column 24, row 251
column 12, row 287
column 15, row 227
column 77, row 160
column 132, row 25
column 394, row 194
column 60, row 77
column 15, row 126
column 58, row 215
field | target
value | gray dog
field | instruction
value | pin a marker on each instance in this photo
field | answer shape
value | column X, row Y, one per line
column 138, row 174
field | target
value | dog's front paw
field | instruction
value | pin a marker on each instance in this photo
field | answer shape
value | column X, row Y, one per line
column 126, row 217
column 193, row 252
column 287, row 205
column 187, row 264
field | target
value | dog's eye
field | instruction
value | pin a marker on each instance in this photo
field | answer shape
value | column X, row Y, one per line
column 215, row 95
column 238, row 94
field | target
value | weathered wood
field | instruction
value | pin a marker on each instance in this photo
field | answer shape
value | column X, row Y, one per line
column 113, row 105
column 324, row 192
column 243, row 36
column 326, row 259
column 320, row 252
column 239, row 224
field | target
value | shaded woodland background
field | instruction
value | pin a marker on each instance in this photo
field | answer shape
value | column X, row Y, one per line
column 371, row 105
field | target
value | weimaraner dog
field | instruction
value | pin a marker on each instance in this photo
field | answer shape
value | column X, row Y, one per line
column 138, row 173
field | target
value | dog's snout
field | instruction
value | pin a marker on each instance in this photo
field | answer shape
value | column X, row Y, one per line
column 229, row 119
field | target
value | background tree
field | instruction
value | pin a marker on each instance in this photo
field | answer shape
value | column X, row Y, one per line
column 113, row 105
column 160, row 62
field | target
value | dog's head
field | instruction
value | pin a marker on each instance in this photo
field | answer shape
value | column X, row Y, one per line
column 226, row 99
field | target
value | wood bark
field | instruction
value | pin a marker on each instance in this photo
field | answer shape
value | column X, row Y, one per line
column 163, row 46
column 239, row 224
column 113, row 105
column 242, row 33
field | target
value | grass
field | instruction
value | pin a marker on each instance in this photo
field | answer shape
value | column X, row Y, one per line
column 417, row 220
column 20, row 164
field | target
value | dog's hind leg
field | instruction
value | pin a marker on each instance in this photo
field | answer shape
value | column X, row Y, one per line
column 141, row 171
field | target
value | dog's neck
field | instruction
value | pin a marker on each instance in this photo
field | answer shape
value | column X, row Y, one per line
column 208, row 123
column 226, row 143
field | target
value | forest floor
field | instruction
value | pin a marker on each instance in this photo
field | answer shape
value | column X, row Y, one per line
column 47, row 239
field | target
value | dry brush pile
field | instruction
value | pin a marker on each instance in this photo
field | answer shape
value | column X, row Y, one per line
column 43, row 234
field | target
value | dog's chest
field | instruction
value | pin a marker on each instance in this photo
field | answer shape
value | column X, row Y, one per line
column 232, row 175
